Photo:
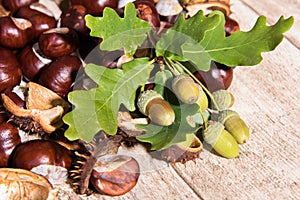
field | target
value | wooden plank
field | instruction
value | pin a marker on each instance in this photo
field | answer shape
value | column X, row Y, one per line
column 157, row 181
column 274, row 9
column 267, row 99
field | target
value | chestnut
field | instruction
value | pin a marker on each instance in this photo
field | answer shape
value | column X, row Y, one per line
column 14, row 5
column 58, row 42
column 41, row 18
column 218, row 77
column 73, row 17
column 31, row 62
column 231, row 25
column 14, row 97
column 15, row 32
column 115, row 174
column 9, row 139
column 96, row 7
column 33, row 153
column 59, row 75
column 10, row 71
column 4, row 115
column 146, row 10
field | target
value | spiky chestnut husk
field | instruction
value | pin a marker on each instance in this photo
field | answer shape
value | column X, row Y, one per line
column 85, row 160
column 235, row 125
column 223, row 98
column 159, row 111
column 185, row 89
column 181, row 153
column 221, row 140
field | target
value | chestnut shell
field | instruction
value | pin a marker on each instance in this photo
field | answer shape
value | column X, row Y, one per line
column 15, row 33
column 60, row 74
column 96, row 7
column 58, row 42
column 218, row 77
column 41, row 22
column 14, row 5
column 36, row 152
column 9, row 139
column 10, row 71
column 73, row 17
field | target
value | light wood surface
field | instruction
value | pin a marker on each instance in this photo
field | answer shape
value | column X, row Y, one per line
column 267, row 98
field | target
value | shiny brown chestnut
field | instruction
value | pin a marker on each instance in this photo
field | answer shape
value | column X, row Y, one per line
column 9, row 139
column 96, row 7
column 231, row 25
column 33, row 153
column 146, row 10
column 4, row 115
column 60, row 74
column 15, row 32
column 115, row 174
column 73, row 17
column 10, row 71
column 14, row 5
column 31, row 62
column 218, row 77
column 41, row 18
column 14, row 97
column 58, row 42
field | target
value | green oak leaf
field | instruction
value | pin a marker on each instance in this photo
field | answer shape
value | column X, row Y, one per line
column 240, row 48
column 128, row 32
column 162, row 137
column 191, row 30
column 97, row 109
column 206, row 41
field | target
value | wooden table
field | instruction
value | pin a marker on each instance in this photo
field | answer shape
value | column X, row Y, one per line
column 267, row 98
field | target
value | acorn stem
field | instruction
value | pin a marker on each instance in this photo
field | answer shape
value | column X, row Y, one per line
column 171, row 66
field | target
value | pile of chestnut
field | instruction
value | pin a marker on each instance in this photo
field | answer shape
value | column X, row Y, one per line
column 37, row 45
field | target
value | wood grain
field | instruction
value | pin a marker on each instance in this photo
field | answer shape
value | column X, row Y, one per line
column 276, row 8
column 267, row 98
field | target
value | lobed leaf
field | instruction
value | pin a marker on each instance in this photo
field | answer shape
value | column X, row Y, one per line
column 117, row 33
column 206, row 41
column 97, row 109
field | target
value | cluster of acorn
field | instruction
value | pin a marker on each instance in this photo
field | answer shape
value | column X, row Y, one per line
column 38, row 46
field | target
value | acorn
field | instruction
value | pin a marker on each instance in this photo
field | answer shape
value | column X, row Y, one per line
column 221, row 140
column 153, row 105
column 185, row 89
column 223, row 98
column 202, row 100
column 234, row 125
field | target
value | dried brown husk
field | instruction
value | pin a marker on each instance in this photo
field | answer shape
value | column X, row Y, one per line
column 43, row 113
column 23, row 184
column 193, row 7
column 86, row 158
column 182, row 154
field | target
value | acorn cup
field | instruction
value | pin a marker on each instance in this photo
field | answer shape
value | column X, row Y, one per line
column 185, row 89
column 159, row 111
column 234, row 125
column 223, row 98
column 221, row 140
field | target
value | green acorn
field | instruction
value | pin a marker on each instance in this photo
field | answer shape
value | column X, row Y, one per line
column 234, row 125
column 202, row 100
column 221, row 140
column 185, row 89
column 153, row 105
